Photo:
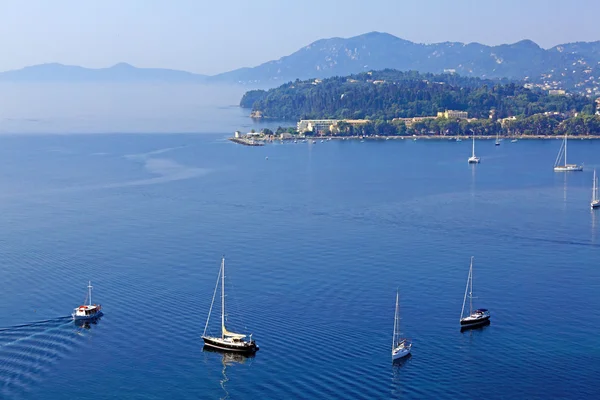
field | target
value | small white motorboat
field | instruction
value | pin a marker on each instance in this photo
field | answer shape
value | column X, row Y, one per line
column 87, row 311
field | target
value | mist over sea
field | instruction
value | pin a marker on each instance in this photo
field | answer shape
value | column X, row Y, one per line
column 123, row 108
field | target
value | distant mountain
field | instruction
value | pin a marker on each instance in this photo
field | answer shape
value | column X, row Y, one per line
column 563, row 66
column 121, row 72
column 571, row 66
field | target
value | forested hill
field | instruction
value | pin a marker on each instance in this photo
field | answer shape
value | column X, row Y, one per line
column 388, row 94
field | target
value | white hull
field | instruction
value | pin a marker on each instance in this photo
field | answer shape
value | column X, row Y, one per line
column 400, row 353
column 561, row 164
column 568, row 168
column 86, row 317
column 595, row 204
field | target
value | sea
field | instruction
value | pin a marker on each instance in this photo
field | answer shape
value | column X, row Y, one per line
column 317, row 237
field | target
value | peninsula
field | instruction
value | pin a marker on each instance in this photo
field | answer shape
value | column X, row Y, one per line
column 394, row 103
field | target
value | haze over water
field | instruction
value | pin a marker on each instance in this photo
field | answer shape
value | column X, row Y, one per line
column 317, row 239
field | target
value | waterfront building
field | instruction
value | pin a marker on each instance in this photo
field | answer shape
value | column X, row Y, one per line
column 453, row 114
column 324, row 126
column 410, row 121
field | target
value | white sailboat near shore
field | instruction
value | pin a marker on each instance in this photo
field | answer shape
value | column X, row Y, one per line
column 562, row 153
column 473, row 159
column 400, row 346
column 595, row 203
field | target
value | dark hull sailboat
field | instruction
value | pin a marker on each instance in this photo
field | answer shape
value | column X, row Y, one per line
column 475, row 318
column 233, row 345
column 479, row 318
column 228, row 341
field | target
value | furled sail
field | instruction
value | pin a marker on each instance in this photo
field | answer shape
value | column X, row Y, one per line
column 231, row 334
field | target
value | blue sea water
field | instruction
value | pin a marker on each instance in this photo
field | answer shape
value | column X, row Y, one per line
column 317, row 238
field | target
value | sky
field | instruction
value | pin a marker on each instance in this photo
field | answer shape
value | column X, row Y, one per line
column 213, row 36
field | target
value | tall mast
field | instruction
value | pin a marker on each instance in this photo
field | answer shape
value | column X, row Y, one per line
column 473, row 144
column 471, row 291
column 394, row 341
column 223, row 298
column 462, row 312
column 566, row 149
column 595, row 188
column 90, row 291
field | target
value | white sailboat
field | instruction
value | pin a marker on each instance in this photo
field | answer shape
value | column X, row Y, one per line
column 228, row 341
column 400, row 346
column 477, row 317
column 473, row 159
column 566, row 167
column 497, row 139
column 595, row 203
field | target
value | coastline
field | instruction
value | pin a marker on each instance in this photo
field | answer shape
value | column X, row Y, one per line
column 259, row 141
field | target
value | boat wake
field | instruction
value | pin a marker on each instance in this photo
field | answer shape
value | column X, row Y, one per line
column 28, row 351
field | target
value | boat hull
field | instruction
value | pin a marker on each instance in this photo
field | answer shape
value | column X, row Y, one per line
column 475, row 160
column 473, row 323
column 595, row 204
column 400, row 353
column 568, row 168
column 240, row 347
column 90, row 317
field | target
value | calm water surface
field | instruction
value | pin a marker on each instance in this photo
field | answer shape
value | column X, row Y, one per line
column 317, row 238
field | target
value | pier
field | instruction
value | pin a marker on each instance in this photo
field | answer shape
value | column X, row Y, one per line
column 246, row 142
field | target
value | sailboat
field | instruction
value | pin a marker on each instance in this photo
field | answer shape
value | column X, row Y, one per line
column 565, row 167
column 473, row 159
column 87, row 311
column 228, row 341
column 497, row 140
column 400, row 346
column 477, row 317
column 595, row 203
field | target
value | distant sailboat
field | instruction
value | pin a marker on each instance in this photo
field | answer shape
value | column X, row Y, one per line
column 497, row 140
column 595, row 203
column 473, row 159
column 477, row 317
column 228, row 341
column 400, row 346
column 566, row 167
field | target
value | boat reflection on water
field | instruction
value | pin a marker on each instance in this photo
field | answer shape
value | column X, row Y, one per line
column 399, row 362
column 400, row 377
column 87, row 323
column 228, row 359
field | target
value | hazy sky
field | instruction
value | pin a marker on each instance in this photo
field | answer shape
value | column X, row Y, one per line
column 211, row 36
